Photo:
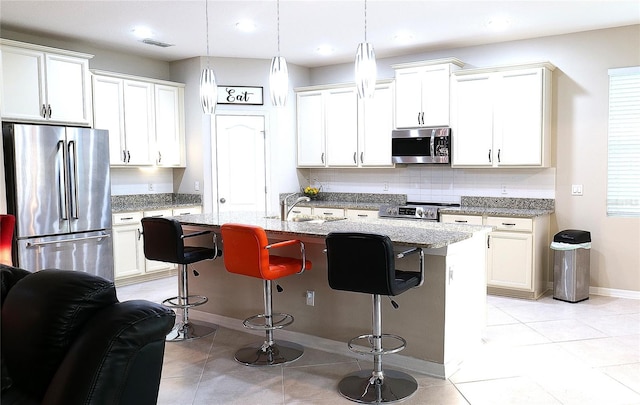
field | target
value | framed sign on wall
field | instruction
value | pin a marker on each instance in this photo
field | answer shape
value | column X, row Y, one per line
column 244, row 95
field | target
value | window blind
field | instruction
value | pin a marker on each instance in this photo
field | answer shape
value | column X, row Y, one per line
column 623, row 171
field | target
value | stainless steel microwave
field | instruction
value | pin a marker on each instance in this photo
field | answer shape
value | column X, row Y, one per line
column 421, row 145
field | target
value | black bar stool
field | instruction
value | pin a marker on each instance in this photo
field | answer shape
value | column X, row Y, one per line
column 164, row 241
column 365, row 263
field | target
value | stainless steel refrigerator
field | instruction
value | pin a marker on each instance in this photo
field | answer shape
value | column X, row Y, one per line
column 59, row 189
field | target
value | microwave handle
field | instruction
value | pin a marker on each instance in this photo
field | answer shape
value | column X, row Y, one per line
column 432, row 143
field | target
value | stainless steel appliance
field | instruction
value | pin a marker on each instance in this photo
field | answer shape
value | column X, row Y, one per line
column 59, row 189
column 421, row 145
column 414, row 210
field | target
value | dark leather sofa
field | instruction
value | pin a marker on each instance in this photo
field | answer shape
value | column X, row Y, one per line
column 67, row 340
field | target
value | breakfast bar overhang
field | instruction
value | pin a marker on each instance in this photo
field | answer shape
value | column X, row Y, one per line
column 442, row 320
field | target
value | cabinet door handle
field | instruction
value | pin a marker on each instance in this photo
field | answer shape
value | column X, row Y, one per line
column 159, row 157
column 128, row 156
column 361, row 157
column 488, row 242
column 418, row 117
column 422, row 115
column 498, row 155
column 489, row 155
column 322, row 158
column 355, row 159
column 43, row 112
column 49, row 110
column 139, row 233
column 124, row 156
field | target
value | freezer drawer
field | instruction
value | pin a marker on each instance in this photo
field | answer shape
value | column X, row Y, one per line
column 90, row 252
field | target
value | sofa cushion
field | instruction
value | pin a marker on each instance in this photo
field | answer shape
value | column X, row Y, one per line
column 41, row 315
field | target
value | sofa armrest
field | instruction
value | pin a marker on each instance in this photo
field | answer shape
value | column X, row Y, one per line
column 116, row 359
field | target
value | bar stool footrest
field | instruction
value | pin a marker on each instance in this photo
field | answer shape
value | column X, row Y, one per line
column 190, row 330
column 369, row 338
column 285, row 320
column 191, row 301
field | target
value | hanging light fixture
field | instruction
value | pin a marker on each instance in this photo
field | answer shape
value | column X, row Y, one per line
column 365, row 66
column 279, row 74
column 208, row 86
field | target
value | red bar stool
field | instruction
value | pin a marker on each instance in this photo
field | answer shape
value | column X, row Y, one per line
column 7, row 225
column 365, row 263
column 246, row 252
column 164, row 241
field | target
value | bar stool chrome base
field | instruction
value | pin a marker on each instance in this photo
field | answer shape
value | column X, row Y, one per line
column 187, row 331
column 279, row 352
column 363, row 387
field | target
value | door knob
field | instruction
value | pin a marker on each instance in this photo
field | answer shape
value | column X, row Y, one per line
column 222, row 201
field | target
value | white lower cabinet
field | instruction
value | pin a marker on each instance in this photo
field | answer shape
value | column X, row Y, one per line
column 128, row 253
column 517, row 253
column 329, row 212
column 128, row 244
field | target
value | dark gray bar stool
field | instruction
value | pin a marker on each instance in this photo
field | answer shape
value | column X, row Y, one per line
column 365, row 263
column 164, row 241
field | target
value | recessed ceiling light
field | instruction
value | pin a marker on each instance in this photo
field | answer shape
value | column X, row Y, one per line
column 325, row 50
column 142, row 32
column 403, row 37
column 246, row 26
column 498, row 23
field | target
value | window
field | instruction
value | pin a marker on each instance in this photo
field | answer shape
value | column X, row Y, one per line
column 623, row 174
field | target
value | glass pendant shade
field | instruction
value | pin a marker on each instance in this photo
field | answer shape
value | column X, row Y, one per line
column 279, row 81
column 366, row 70
column 208, row 91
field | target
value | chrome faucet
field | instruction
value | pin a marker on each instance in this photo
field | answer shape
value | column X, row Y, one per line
column 285, row 209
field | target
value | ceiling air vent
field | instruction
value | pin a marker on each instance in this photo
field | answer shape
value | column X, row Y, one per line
column 150, row 41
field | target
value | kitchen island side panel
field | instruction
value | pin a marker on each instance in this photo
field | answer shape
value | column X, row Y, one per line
column 431, row 317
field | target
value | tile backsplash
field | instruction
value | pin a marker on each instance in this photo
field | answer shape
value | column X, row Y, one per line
column 431, row 183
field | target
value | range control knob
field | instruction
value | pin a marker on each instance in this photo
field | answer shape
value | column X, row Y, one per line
column 419, row 212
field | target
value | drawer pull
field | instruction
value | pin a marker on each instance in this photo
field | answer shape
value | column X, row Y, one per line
column 508, row 224
column 328, row 213
column 126, row 218
column 363, row 215
column 461, row 221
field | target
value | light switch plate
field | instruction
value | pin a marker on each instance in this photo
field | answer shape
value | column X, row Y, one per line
column 576, row 189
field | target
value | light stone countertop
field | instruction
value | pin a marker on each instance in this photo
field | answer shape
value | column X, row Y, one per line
column 424, row 234
column 494, row 211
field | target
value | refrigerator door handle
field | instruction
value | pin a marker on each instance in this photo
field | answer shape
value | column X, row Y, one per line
column 62, row 180
column 53, row 242
column 73, row 179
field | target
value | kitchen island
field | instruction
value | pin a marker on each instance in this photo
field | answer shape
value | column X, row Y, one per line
column 441, row 320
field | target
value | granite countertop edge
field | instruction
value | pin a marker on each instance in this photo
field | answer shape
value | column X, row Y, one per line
column 487, row 211
column 152, row 207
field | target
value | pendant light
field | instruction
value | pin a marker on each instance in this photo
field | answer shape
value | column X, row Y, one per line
column 279, row 74
column 208, row 86
column 365, row 66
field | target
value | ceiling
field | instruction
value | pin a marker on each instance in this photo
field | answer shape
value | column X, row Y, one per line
column 305, row 25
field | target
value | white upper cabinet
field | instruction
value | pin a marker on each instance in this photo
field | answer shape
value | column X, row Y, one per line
column 501, row 117
column 336, row 129
column 169, row 114
column 145, row 119
column 422, row 93
column 41, row 84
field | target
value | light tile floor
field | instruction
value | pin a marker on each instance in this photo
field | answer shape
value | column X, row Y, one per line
column 534, row 352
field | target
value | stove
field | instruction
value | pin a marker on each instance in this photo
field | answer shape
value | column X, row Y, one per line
column 414, row 210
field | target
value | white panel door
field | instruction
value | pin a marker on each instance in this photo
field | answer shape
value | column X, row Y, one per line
column 67, row 92
column 139, row 122
column 310, row 127
column 435, row 96
column 108, row 113
column 168, row 125
column 408, row 97
column 375, row 131
column 23, row 79
column 240, row 142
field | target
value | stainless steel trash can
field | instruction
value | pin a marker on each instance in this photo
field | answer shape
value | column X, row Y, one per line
column 571, row 265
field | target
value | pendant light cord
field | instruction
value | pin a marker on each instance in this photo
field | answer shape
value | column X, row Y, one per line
column 206, row 13
column 278, row 12
column 365, row 20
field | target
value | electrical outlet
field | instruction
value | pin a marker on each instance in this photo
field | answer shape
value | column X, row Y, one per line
column 196, row 185
column 504, row 189
column 150, row 186
column 386, row 186
column 310, row 296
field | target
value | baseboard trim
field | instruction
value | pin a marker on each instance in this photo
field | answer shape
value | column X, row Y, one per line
column 395, row 360
column 609, row 292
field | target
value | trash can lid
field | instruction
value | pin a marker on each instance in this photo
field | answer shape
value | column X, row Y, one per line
column 572, row 236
